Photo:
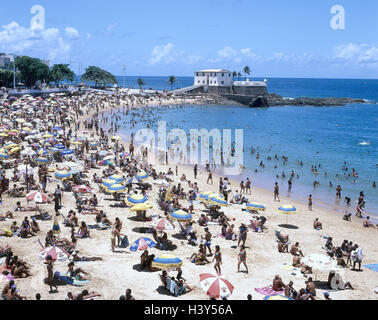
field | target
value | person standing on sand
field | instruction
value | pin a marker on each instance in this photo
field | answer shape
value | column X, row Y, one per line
column 50, row 273
column 310, row 202
column 210, row 178
column 218, row 260
column 195, row 171
column 276, row 192
column 208, row 236
column 248, row 186
column 242, row 258
column 338, row 192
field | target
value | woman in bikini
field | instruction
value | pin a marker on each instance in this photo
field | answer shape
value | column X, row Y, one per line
column 218, row 260
column 242, row 258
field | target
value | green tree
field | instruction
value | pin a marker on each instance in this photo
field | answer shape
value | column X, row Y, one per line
column 98, row 76
column 171, row 81
column 234, row 74
column 239, row 75
column 247, row 71
column 141, row 83
column 6, row 78
column 60, row 72
column 31, row 70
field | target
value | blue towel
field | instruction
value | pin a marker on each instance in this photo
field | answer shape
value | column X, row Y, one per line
column 373, row 267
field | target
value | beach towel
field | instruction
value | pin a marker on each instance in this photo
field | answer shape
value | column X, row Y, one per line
column 172, row 287
column 268, row 291
column 293, row 270
column 67, row 279
column 373, row 267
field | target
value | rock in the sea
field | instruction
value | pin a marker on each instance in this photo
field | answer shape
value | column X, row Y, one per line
column 259, row 102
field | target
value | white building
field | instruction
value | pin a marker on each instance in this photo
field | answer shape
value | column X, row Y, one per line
column 213, row 77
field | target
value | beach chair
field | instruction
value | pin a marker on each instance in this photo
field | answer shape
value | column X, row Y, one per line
column 172, row 287
column 279, row 237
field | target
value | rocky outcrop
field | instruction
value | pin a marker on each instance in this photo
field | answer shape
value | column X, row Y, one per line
column 277, row 100
column 259, row 102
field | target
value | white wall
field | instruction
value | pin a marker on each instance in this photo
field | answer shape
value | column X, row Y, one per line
column 213, row 79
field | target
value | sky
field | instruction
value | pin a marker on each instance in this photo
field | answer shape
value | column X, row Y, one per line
column 275, row 38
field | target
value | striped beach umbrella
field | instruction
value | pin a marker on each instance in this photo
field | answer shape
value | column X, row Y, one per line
column 181, row 216
column 136, row 198
column 108, row 182
column 255, row 206
column 142, row 244
column 106, row 163
column 38, row 197
column 215, row 286
column 4, row 155
column 287, row 209
column 218, row 200
column 277, row 297
column 60, row 146
column 116, row 138
column 54, row 149
column 48, row 135
column 116, row 188
column 167, row 261
column 117, row 178
column 57, row 254
column 14, row 150
column 42, row 160
column 163, row 225
column 125, row 154
column 67, row 152
column 82, row 189
column 142, row 175
column 62, row 175
column 205, row 196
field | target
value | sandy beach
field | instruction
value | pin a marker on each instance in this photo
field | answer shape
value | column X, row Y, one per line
column 120, row 270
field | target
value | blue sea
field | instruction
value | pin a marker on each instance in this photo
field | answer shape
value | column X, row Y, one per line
column 328, row 136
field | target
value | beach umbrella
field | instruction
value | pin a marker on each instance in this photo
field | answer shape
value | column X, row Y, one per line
column 67, row 152
column 319, row 262
column 42, row 152
column 116, row 138
column 117, row 178
column 4, row 155
column 60, row 146
column 76, row 142
column 20, row 120
column 255, row 206
column 42, row 160
column 163, row 224
column 141, row 207
column 125, row 154
column 14, row 150
column 136, row 198
column 132, row 180
column 48, row 135
column 167, row 261
column 215, row 286
column 82, row 189
column 106, row 163
column 10, row 145
column 56, row 227
column 56, row 253
column 287, row 209
column 38, row 197
column 26, row 169
column 4, row 135
column 108, row 182
column 116, row 188
column 111, row 157
column 181, row 216
column 12, row 133
column 93, row 144
column 54, row 150
column 142, row 244
column 142, row 175
column 218, row 200
column 62, row 175
column 277, row 297
column 205, row 196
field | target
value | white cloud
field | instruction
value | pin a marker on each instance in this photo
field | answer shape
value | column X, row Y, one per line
column 110, row 28
column 248, row 53
column 42, row 43
column 163, row 54
column 227, row 53
column 356, row 53
column 72, row 33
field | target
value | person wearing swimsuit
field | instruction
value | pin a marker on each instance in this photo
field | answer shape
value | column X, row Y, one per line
column 242, row 258
column 218, row 260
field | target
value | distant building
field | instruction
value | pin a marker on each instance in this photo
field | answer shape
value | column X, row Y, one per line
column 6, row 59
column 213, row 77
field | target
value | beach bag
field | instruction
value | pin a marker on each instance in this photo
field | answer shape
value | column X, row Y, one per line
column 124, row 242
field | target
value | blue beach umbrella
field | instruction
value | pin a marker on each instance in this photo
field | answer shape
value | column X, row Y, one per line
column 287, row 209
column 142, row 244
column 218, row 200
column 60, row 146
column 54, row 149
column 136, row 198
column 116, row 188
column 142, row 175
column 181, row 216
column 255, row 206
column 205, row 196
column 117, row 178
column 42, row 152
column 167, row 261
column 62, row 175
column 42, row 160
column 108, row 182
column 67, row 152
column 4, row 155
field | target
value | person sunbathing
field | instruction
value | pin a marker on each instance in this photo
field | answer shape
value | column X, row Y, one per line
column 278, row 284
column 75, row 257
column 84, row 295
column 87, row 210
column 83, row 231
column 24, row 209
column 295, row 248
column 7, row 215
column 16, row 192
column 19, row 270
column 283, row 247
column 76, row 273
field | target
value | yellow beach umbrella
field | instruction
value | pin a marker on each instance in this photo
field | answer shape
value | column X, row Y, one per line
column 14, row 150
column 141, row 207
column 116, row 138
column 4, row 135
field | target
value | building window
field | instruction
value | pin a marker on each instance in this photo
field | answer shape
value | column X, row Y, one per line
column 229, row 74
column 222, row 74
column 211, row 82
column 199, row 81
column 222, row 82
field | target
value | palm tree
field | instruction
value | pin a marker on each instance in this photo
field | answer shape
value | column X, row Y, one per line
column 234, row 74
column 141, row 83
column 171, row 81
column 247, row 71
column 239, row 75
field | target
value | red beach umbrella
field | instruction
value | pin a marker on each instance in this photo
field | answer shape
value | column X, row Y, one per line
column 215, row 286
